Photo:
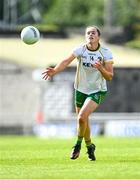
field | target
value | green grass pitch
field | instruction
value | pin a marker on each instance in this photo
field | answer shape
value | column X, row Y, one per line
column 24, row 157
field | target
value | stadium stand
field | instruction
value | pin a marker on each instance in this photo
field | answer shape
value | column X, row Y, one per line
column 18, row 102
column 25, row 102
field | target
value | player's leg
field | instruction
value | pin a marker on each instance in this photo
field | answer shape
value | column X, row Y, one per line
column 96, row 98
column 79, row 139
column 77, row 147
column 88, row 107
column 87, row 136
column 79, row 101
column 90, row 146
column 87, row 131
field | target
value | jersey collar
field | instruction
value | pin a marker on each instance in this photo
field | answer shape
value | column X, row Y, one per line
column 95, row 49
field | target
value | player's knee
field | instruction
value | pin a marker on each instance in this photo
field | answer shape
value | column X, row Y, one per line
column 82, row 118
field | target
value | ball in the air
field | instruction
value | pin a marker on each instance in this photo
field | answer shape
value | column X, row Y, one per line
column 30, row 35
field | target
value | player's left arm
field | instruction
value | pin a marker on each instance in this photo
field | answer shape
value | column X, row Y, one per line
column 106, row 69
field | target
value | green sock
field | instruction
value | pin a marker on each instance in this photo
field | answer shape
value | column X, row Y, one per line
column 79, row 140
column 88, row 142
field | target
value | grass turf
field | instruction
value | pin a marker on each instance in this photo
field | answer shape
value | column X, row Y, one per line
column 34, row 158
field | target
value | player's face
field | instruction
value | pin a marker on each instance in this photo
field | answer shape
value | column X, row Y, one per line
column 91, row 35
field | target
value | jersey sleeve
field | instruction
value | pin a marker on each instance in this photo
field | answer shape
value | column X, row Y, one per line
column 108, row 56
column 77, row 51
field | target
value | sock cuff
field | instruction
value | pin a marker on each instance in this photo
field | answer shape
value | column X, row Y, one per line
column 88, row 142
column 80, row 137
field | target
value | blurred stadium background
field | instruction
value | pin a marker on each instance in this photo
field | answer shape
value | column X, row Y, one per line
column 31, row 106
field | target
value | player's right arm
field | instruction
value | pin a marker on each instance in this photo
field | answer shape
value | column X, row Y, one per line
column 49, row 72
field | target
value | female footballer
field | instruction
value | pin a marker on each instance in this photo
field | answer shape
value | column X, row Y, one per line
column 94, row 68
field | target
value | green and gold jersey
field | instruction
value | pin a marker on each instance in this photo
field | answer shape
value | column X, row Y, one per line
column 88, row 79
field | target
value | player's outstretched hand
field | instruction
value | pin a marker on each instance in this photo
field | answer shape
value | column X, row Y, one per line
column 48, row 73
